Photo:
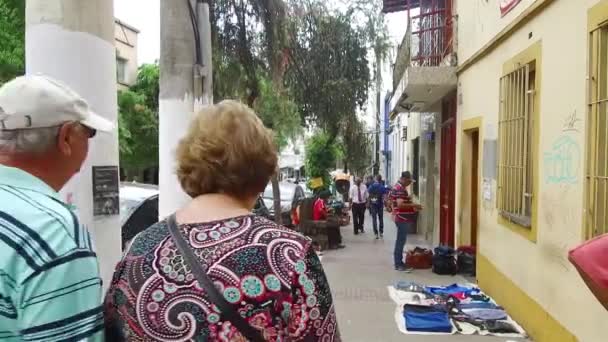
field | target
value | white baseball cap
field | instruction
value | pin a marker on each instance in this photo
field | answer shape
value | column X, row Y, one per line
column 37, row 101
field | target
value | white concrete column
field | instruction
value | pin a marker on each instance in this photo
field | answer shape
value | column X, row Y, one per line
column 176, row 104
column 73, row 41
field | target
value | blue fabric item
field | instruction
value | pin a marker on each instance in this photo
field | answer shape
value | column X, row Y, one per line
column 452, row 289
column 434, row 321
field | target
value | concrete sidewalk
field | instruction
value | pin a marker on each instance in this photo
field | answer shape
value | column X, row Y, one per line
column 359, row 275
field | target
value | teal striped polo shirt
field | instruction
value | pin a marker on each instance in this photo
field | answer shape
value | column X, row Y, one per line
column 50, row 288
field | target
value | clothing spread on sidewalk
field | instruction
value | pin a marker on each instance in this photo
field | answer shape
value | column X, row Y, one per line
column 456, row 308
column 50, row 288
column 269, row 273
column 399, row 214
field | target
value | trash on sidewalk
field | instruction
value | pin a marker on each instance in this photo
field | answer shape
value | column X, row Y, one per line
column 454, row 309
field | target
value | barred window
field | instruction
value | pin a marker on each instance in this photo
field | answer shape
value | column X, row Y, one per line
column 596, row 187
column 515, row 136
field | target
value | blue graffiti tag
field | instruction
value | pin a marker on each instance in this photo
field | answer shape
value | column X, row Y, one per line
column 562, row 163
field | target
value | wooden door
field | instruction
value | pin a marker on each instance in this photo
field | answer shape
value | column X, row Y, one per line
column 447, row 188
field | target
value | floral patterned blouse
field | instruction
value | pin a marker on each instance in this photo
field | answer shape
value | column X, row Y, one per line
column 269, row 273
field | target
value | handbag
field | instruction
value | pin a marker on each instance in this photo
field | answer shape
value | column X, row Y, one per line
column 206, row 283
column 419, row 258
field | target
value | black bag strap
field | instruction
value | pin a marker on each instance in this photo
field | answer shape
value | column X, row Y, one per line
column 205, row 282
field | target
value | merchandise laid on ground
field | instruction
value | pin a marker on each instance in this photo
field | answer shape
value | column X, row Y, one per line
column 454, row 309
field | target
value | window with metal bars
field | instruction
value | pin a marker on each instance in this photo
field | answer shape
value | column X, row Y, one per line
column 596, row 187
column 515, row 136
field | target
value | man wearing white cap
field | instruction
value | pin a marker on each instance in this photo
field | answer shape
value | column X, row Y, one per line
column 50, row 288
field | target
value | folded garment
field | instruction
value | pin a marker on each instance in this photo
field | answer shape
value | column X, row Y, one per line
column 478, row 305
column 409, row 286
column 500, row 327
column 426, row 319
column 454, row 289
column 479, row 297
column 486, row 314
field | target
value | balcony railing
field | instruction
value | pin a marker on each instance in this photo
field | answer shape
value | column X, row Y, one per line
column 428, row 40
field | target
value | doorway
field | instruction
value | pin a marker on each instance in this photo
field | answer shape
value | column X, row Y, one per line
column 416, row 166
column 474, row 136
column 447, row 186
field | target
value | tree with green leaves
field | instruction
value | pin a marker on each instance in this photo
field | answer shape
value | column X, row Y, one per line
column 249, row 64
column 321, row 157
column 12, row 39
column 328, row 73
column 356, row 146
column 138, row 122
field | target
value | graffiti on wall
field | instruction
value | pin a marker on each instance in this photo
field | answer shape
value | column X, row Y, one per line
column 562, row 161
column 507, row 5
column 571, row 123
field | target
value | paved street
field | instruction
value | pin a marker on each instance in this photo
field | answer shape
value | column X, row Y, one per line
column 359, row 275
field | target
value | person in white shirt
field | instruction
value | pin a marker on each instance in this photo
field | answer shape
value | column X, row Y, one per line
column 358, row 201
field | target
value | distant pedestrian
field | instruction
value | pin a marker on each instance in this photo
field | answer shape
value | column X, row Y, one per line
column 376, row 206
column 369, row 180
column 358, row 200
column 321, row 213
column 404, row 213
column 50, row 288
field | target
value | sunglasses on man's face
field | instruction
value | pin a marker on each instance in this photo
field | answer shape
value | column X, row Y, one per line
column 90, row 132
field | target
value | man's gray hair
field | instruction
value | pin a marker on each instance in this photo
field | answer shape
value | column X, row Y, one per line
column 35, row 140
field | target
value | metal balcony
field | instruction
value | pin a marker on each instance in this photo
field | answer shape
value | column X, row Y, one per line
column 425, row 67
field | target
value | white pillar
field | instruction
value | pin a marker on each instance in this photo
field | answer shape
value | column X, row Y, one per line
column 176, row 104
column 73, row 41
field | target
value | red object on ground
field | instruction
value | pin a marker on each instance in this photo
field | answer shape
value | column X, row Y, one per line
column 591, row 261
column 419, row 258
column 468, row 249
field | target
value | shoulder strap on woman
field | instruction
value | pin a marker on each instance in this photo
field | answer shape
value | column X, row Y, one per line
column 205, row 282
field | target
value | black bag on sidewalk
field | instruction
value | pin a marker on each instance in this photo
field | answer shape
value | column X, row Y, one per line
column 228, row 312
column 466, row 263
column 444, row 261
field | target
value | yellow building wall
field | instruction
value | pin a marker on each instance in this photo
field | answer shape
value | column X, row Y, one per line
column 480, row 21
column 534, row 280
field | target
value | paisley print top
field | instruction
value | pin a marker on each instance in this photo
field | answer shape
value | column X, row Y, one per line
column 269, row 273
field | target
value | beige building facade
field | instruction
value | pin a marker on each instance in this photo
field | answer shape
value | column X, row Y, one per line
column 532, row 155
column 125, row 38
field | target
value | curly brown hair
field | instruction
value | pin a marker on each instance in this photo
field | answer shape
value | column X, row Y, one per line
column 227, row 150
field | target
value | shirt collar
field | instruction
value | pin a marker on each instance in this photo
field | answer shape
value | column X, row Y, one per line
column 18, row 178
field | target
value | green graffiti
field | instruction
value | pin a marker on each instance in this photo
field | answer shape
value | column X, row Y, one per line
column 562, row 162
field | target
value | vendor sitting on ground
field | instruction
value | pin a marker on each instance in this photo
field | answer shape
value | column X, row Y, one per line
column 321, row 213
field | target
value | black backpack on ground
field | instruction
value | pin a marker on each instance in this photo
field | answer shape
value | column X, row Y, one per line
column 466, row 263
column 444, row 261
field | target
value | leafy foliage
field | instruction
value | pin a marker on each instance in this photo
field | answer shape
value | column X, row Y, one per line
column 278, row 112
column 138, row 121
column 12, row 39
column 321, row 156
column 147, row 84
column 356, row 146
column 328, row 73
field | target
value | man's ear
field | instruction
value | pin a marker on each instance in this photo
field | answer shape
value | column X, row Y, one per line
column 64, row 143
